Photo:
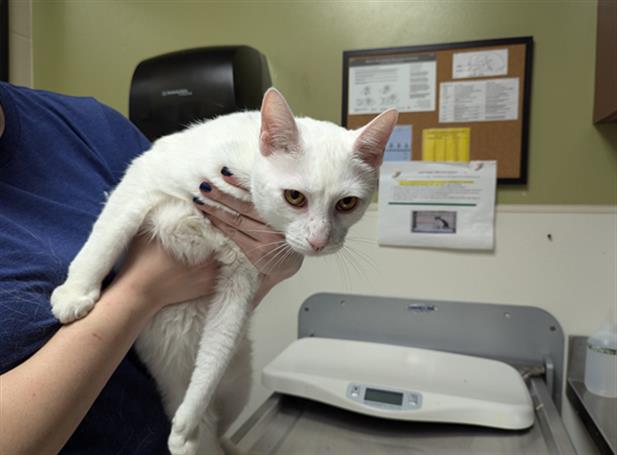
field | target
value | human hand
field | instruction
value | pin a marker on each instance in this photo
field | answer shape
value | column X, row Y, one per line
column 263, row 246
column 153, row 278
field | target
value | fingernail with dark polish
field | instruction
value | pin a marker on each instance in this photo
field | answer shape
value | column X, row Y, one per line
column 226, row 172
column 205, row 186
column 197, row 201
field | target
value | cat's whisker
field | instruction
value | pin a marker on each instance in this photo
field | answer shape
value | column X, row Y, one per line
column 266, row 245
column 263, row 231
column 363, row 256
column 362, row 272
column 359, row 237
column 342, row 265
column 281, row 255
column 354, row 263
column 262, row 262
column 362, row 240
column 351, row 267
column 347, row 253
column 267, row 256
column 294, row 237
column 340, row 260
column 283, row 258
column 271, row 256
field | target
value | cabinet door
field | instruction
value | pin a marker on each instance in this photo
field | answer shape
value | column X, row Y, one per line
column 605, row 109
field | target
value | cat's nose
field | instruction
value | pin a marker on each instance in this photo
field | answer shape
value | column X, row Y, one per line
column 316, row 244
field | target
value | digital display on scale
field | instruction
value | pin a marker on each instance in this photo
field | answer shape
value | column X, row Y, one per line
column 383, row 396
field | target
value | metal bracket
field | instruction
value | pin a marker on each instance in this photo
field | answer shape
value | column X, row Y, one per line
column 549, row 375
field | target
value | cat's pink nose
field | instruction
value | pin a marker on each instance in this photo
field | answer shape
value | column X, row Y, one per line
column 316, row 245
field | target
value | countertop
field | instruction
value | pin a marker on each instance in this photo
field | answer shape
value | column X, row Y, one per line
column 599, row 414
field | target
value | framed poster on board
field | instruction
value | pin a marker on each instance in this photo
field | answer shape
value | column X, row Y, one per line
column 456, row 101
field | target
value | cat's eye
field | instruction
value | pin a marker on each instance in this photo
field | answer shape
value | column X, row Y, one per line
column 295, row 198
column 346, row 204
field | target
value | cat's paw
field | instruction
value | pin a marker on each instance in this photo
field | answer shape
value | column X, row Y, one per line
column 183, row 439
column 69, row 303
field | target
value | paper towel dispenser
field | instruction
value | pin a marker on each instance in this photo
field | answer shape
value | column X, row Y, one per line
column 170, row 91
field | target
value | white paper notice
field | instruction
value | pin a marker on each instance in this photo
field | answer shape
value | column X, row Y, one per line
column 480, row 64
column 479, row 101
column 440, row 205
column 406, row 83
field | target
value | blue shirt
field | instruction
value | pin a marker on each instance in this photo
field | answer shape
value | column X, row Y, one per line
column 59, row 155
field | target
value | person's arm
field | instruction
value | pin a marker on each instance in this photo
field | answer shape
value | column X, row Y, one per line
column 43, row 400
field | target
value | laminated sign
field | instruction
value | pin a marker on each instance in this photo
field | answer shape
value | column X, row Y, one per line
column 435, row 204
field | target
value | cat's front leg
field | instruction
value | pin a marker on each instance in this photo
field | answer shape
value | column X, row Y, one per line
column 210, row 443
column 117, row 224
column 203, row 440
column 72, row 301
column 224, row 326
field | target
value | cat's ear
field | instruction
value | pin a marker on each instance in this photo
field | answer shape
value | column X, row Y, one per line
column 373, row 138
column 279, row 132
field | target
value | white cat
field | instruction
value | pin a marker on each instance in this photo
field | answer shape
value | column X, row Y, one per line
column 308, row 179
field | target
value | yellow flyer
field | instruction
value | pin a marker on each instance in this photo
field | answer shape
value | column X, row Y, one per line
column 445, row 144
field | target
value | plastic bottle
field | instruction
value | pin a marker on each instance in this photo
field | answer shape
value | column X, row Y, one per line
column 601, row 361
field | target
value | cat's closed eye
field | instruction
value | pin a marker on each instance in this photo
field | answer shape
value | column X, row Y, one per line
column 346, row 204
column 295, row 198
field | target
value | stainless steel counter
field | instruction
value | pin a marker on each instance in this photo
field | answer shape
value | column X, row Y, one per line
column 518, row 335
column 286, row 425
column 599, row 414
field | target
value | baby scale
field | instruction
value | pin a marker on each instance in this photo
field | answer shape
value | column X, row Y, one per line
column 386, row 376
column 403, row 383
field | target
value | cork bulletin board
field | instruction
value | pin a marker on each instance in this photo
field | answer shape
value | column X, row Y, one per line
column 457, row 101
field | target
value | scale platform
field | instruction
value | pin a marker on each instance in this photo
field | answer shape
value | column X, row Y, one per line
column 309, row 416
column 402, row 383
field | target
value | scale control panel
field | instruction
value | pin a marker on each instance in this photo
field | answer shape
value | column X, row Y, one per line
column 384, row 397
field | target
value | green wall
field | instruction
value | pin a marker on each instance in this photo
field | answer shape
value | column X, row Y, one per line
column 91, row 48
